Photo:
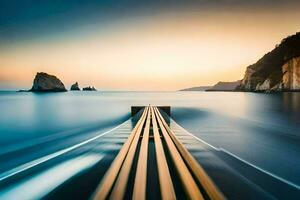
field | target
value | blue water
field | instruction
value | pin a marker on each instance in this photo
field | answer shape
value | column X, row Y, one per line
column 263, row 129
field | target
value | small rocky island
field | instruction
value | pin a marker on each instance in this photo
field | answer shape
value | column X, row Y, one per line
column 75, row 87
column 44, row 82
column 89, row 88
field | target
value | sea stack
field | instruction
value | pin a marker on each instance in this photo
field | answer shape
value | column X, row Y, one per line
column 89, row 88
column 44, row 82
column 75, row 86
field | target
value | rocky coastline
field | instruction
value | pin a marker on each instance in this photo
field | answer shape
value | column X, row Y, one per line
column 276, row 71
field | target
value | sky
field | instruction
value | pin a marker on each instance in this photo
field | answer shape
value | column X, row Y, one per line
column 139, row 45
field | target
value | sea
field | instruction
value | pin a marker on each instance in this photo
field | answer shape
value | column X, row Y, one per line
column 261, row 129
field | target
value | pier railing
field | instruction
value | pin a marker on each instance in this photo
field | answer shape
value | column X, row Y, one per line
column 194, row 182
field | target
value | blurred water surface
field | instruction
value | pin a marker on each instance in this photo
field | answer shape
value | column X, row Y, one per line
column 263, row 129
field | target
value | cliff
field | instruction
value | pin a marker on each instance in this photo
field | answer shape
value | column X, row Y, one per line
column 278, row 70
column 44, row 82
column 225, row 86
column 291, row 74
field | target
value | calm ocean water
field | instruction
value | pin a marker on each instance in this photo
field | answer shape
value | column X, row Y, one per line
column 263, row 129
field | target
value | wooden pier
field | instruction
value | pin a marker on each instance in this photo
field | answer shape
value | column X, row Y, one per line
column 191, row 180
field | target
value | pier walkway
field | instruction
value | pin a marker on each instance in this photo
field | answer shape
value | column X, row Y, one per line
column 129, row 173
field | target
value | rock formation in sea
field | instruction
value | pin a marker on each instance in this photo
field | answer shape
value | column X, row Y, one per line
column 44, row 82
column 278, row 70
column 89, row 88
column 75, row 86
column 225, row 86
column 199, row 88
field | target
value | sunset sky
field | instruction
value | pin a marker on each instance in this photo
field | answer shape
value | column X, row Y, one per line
column 139, row 45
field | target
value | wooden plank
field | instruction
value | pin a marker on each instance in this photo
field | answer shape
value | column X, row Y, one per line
column 140, row 183
column 185, row 176
column 107, row 182
column 120, row 185
column 199, row 173
column 165, row 181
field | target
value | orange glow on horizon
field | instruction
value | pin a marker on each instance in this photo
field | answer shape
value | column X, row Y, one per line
column 166, row 52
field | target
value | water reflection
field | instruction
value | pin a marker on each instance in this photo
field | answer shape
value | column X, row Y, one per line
column 291, row 105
